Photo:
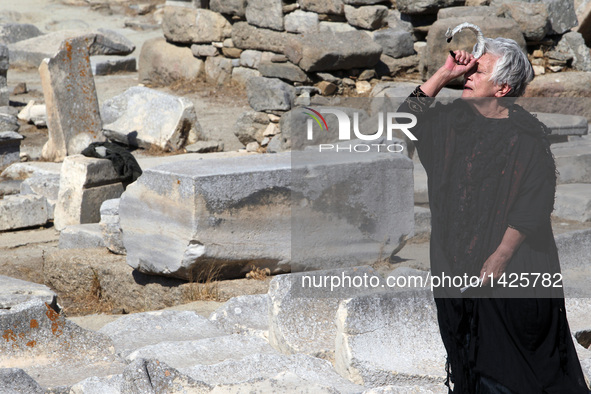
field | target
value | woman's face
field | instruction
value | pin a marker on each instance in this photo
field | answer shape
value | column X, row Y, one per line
column 477, row 81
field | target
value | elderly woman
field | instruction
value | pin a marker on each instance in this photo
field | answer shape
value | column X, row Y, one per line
column 491, row 180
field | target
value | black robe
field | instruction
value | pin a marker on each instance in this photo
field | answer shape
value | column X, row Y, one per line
column 485, row 175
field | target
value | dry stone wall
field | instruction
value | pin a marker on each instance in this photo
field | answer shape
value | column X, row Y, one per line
column 333, row 47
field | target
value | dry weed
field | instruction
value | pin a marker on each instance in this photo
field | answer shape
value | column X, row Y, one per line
column 92, row 302
column 204, row 286
column 258, row 273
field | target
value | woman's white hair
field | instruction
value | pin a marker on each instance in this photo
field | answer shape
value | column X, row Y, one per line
column 512, row 68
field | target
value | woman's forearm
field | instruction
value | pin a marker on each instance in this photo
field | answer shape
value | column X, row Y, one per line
column 437, row 81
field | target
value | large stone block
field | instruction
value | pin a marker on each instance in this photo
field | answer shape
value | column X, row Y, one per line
column 15, row 291
column 438, row 49
column 531, row 18
column 396, row 43
column 145, row 117
column 218, row 70
column 464, row 11
column 286, row 71
column 573, row 45
column 230, row 7
column 573, row 202
column 81, row 236
column 303, row 307
column 8, row 122
column 106, row 65
column 325, row 51
column 31, row 52
column 335, row 7
column 231, row 213
column 194, row 26
column 425, row 6
column 16, row 380
column 561, row 13
column 10, row 147
column 245, row 36
column 161, row 63
column 574, row 249
column 369, row 17
column 240, row 75
column 265, row 13
column 573, row 162
column 301, row 21
column 247, row 314
column 404, row 324
column 269, row 94
column 84, row 184
column 251, row 126
column 73, row 118
column 22, row 211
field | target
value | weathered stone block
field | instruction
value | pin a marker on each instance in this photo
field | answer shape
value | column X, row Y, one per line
column 561, row 13
column 265, row 13
column 243, row 374
column 183, row 354
column 14, row 32
column 573, row 202
column 370, row 17
column 3, row 72
column 242, row 74
column 404, row 324
column 84, row 184
column 110, row 227
column 574, row 249
column 15, row 291
column 335, row 27
column 10, row 147
column 73, row 118
column 22, row 211
column 161, row 63
column 323, row 6
column 16, row 380
column 245, row 36
column 269, row 94
column 531, row 18
column 325, row 51
column 573, row 45
column 81, row 236
column 145, row 117
column 285, row 71
column 301, row 21
column 247, row 314
column 218, row 70
column 438, row 49
column 139, row 330
column 396, row 43
column 230, row 7
column 194, row 26
column 573, row 162
column 210, row 212
column 303, row 307
column 425, row 6
column 204, row 50
column 251, row 126
column 464, row 11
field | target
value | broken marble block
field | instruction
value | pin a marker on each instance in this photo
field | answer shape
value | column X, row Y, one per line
column 22, row 211
column 15, row 291
column 183, row 219
column 84, row 184
column 145, row 117
column 110, row 227
column 404, row 324
column 73, row 118
column 10, row 147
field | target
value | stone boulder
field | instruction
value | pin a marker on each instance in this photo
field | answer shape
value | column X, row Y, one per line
column 269, row 94
column 144, row 117
column 251, row 126
column 437, row 49
column 161, row 63
column 572, row 44
column 335, row 7
column 16, row 380
column 286, row 71
column 15, row 291
column 573, row 162
column 265, row 13
column 218, row 70
column 303, row 307
column 404, row 324
column 31, row 52
column 369, row 17
column 425, row 6
column 248, row 314
column 325, row 51
column 561, row 13
column 227, row 214
column 301, row 21
column 110, row 227
column 10, row 147
column 194, row 26
column 15, row 32
column 395, row 43
column 22, row 211
column 532, row 18
column 573, row 202
column 464, row 11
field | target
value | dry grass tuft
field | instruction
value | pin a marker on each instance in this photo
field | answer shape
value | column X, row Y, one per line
column 204, row 286
column 92, row 302
column 258, row 273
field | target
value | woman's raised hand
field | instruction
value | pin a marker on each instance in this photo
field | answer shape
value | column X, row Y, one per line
column 460, row 64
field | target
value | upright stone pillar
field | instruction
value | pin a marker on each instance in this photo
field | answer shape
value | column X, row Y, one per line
column 73, row 117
